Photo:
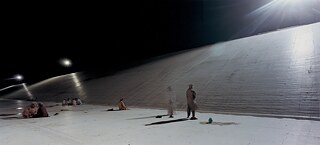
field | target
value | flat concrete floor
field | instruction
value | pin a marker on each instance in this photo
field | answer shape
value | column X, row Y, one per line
column 93, row 125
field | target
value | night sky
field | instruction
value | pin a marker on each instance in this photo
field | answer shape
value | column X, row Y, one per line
column 105, row 37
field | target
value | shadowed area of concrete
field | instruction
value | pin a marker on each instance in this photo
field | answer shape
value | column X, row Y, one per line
column 274, row 73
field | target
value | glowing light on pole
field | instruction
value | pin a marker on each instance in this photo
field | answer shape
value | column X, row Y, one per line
column 18, row 77
column 280, row 13
column 65, row 62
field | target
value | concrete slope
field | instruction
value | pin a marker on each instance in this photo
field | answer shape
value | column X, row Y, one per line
column 274, row 73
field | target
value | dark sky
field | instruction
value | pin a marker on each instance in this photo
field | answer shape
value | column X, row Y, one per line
column 102, row 37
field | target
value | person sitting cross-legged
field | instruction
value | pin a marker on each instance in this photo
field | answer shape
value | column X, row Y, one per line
column 42, row 111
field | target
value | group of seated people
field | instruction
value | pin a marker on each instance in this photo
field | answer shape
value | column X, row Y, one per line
column 35, row 110
column 73, row 101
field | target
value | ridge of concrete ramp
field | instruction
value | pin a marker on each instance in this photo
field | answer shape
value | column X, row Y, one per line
column 273, row 73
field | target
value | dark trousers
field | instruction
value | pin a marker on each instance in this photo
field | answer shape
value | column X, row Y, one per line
column 189, row 110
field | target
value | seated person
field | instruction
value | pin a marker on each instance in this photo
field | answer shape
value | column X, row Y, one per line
column 74, row 101
column 69, row 101
column 30, row 110
column 121, row 105
column 42, row 111
column 79, row 102
column 64, row 102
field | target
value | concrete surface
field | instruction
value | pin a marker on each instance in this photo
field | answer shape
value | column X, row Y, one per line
column 93, row 125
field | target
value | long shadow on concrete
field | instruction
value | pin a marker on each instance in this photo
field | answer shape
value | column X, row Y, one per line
column 156, row 116
column 167, row 121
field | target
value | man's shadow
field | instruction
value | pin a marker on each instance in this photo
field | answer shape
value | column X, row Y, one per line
column 156, row 116
column 167, row 121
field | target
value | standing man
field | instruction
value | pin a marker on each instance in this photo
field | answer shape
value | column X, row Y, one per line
column 192, row 106
column 172, row 101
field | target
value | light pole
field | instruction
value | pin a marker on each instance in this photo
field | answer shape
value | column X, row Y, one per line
column 65, row 62
column 18, row 77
